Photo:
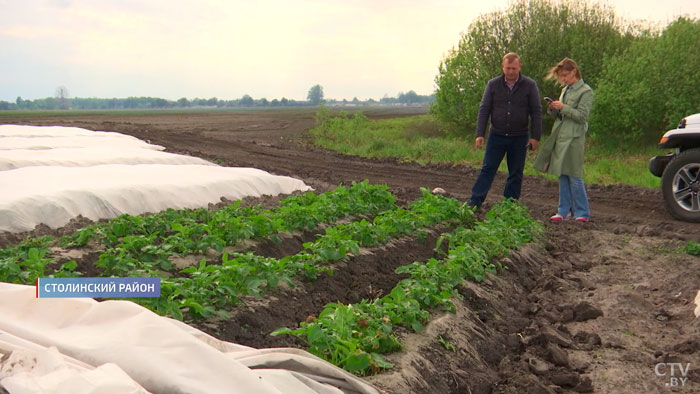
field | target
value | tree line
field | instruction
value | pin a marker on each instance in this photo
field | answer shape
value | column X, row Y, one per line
column 61, row 101
column 644, row 78
column 55, row 103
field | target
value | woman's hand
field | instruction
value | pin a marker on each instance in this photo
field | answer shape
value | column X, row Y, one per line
column 556, row 105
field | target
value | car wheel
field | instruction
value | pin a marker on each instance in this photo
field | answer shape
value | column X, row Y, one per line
column 680, row 186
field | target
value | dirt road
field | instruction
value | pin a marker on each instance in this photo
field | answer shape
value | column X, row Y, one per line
column 605, row 306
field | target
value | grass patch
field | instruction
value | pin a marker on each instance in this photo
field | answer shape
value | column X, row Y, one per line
column 424, row 140
column 415, row 138
column 693, row 248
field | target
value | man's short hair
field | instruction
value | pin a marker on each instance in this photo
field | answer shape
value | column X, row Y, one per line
column 510, row 57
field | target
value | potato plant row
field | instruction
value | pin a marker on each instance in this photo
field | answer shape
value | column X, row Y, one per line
column 127, row 242
column 195, row 231
column 212, row 289
column 355, row 336
column 208, row 289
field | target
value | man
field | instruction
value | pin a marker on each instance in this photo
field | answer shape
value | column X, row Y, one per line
column 511, row 101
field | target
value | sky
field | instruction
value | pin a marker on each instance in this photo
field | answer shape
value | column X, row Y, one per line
column 227, row 48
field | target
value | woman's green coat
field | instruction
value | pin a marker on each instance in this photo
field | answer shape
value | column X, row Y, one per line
column 562, row 152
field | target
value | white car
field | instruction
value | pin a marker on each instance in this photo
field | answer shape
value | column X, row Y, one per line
column 680, row 170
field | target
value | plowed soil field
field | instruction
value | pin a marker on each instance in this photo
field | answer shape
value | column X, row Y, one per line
column 605, row 306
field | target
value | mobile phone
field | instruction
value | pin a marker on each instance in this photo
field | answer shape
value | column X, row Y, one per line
column 548, row 99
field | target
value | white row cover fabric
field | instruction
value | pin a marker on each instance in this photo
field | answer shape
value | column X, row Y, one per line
column 51, row 137
column 81, row 157
column 52, row 174
column 13, row 130
column 98, row 140
column 54, row 195
column 84, row 346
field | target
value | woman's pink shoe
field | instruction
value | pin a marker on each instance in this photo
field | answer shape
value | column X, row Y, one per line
column 556, row 218
column 582, row 219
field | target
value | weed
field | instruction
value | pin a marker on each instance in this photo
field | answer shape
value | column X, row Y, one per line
column 693, row 248
column 447, row 344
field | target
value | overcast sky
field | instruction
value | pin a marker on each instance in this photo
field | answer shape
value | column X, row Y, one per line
column 228, row 48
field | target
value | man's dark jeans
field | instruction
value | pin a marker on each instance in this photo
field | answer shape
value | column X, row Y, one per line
column 497, row 146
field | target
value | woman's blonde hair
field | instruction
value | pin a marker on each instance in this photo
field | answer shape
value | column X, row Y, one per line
column 565, row 64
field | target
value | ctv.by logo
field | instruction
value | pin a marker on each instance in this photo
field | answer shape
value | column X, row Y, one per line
column 677, row 375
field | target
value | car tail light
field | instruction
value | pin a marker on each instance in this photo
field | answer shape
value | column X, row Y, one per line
column 663, row 140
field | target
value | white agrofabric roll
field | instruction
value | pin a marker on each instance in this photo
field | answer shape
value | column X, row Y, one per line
column 82, row 157
column 124, row 345
column 50, row 137
column 93, row 141
column 51, row 174
column 14, row 130
column 55, row 195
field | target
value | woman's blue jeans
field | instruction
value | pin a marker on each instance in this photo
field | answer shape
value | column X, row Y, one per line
column 572, row 197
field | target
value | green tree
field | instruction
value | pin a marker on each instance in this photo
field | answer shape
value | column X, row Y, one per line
column 649, row 87
column 542, row 32
column 158, row 103
column 409, row 97
column 247, row 101
column 315, row 95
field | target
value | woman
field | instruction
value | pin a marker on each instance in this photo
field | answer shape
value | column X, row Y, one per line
column 562, row 153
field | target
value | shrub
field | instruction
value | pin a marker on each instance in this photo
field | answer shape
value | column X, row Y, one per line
column 649, row 87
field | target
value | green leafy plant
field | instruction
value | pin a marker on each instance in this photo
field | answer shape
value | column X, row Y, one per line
column 693, row 248
column 337, row 334
column 447, row 344
column 214, row 287
column 348, row 337
column 26, row 261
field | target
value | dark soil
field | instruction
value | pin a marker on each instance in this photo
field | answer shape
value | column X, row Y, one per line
column 593, row 308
